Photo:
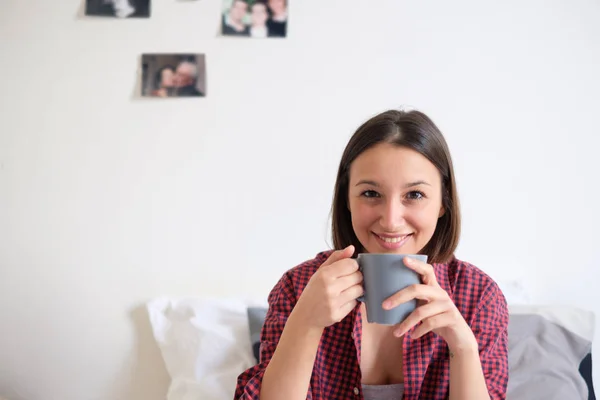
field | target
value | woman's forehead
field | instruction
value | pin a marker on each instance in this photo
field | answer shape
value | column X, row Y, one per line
column 393, row 164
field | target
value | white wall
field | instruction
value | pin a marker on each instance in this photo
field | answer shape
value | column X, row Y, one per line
column 107, row 200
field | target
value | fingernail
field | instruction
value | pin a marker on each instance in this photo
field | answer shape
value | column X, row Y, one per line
column 398, row 333
column 387, row 305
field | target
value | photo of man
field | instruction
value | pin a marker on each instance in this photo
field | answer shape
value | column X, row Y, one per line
column 173, row 75
column 254, row 18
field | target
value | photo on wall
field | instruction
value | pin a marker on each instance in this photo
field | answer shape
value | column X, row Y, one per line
column 173, row 75
column 118, row 8
column 254, row 18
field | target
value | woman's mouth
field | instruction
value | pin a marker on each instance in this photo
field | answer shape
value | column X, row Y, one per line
column 392, row 242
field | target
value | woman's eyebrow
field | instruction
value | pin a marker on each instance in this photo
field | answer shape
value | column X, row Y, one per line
column 367, row 182
column 415, row 183
column 408, row 185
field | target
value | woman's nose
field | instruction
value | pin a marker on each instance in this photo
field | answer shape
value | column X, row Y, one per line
column 392, row 215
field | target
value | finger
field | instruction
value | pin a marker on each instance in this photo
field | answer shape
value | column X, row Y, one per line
column 345, row 309
column 339, row 255
column 419, row 314
column 346, row 281
column 352, row 293
column 343, row 268
column 425, row 270
column 419, row 292
column 435, row 322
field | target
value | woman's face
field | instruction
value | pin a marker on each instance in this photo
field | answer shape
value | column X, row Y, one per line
column 259, row 15
column 277, row 6
column 166, row 78
column 395, row 199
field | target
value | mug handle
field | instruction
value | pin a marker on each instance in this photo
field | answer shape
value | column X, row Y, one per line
column 361, row 298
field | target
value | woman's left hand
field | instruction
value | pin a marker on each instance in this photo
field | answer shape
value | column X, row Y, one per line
column 436, row 310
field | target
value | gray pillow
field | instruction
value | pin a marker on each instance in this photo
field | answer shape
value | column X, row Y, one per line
column 549, row 354
column 256, row 319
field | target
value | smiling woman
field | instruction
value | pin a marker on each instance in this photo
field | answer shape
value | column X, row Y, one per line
column 395, row 193
column 388, row 159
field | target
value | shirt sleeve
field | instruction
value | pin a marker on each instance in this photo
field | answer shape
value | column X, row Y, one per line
column 281, row 302
column 491, row 330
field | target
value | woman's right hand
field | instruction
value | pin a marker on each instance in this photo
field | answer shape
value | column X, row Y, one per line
column 332, row 291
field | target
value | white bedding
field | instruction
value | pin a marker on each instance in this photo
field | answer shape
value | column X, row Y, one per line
column 206, row 344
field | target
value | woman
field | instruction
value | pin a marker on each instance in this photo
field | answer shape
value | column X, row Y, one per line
column 164, row 81
column 395, row 193
column 258, row 20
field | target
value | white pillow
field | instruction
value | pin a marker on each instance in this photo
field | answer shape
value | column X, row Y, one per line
column 205, row 344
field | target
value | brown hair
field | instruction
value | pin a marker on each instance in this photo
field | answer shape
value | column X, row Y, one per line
column 414, row 130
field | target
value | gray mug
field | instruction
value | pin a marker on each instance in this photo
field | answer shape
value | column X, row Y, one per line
column 384, row 275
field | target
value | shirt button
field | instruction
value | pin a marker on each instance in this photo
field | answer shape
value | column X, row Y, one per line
column 356, row 391
column 352, row 335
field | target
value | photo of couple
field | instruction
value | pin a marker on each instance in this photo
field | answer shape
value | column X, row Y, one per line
column 173, row 75
column 118, row 8
column 254, row 18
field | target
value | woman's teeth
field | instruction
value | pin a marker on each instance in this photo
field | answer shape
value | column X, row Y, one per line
column 393, row 240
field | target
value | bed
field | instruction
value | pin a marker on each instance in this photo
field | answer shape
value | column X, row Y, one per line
column 207, row 342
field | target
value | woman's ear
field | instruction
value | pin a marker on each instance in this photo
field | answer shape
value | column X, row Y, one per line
column 442, row 211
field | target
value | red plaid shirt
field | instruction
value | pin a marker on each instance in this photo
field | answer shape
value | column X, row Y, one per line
column 336, row 372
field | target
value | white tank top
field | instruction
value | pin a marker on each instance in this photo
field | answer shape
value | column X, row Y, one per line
column 383, row 392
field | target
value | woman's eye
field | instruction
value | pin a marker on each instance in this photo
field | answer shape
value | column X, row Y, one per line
column 415, row 195
column 370, row 193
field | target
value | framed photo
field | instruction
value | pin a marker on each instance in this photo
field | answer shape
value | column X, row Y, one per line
column 118, row 8
column 254, row 18
column 173, row 75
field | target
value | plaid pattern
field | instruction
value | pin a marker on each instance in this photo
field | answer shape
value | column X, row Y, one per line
column 336, row 373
